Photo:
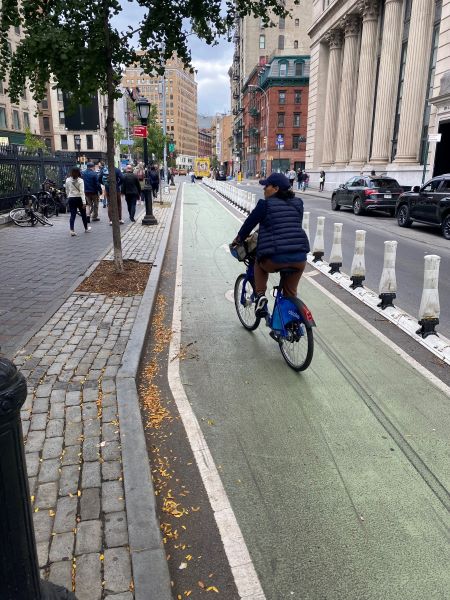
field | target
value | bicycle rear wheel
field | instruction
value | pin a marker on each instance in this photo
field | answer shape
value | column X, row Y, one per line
column 45, row 204
column 297, row 347
column 22, row 217
column 245, row 304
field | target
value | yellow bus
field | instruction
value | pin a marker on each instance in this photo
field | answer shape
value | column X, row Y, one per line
column 201, row 167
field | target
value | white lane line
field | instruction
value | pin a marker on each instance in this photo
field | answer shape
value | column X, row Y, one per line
column 241, row 565
column 411, row 361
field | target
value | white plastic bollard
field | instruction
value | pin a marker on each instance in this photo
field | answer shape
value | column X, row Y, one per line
column 336, row 249
column 253, row 201
column 388, row 281
column 319, row 244
column 249, row 201
column 305, row 224
column 430, row 310
column 358, row 270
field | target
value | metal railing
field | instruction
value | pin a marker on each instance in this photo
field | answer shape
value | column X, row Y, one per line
column 22, row 169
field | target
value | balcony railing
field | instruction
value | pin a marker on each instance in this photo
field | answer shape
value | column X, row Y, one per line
column 254, row 112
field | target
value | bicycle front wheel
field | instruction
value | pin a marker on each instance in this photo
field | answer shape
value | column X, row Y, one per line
column 22, row 217
column 245, row 303
column 43, row 219
column 297, row 347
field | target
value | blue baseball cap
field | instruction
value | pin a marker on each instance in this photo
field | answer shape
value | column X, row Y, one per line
column 278, row 180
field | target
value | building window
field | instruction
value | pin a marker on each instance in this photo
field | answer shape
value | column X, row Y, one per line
column 295, row 142
column 59, row 95
column 281, row 116
column 296, row 121
column 89, row 141
column 26, row 120
column 62, row 120
column 282, row 69
column 24, row 94
column 1, row 87
column 262, row 41
column 297, row 22
column 46, row 123
column 282, row 97
column 281, row 42
column 16, row 120
column 17, row 30
column 48, row 143
column 282, row 23
column 299, row 69
column 295, row 44
column 44, row 103
column 64, row 145
column 3, row 123
column 297, row 96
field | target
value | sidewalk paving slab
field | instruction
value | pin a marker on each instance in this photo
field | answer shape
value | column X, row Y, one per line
column 94, row 512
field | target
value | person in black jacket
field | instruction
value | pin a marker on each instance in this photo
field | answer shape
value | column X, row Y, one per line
column 132, row 190
column 154, row 181
column 282, row 242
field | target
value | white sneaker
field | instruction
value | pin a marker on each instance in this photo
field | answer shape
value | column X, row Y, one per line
column 72, row 233
column 121, row 222
column 110, row 222
column 88, row 229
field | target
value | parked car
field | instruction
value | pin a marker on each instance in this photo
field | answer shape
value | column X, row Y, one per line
column 221, row 176
column 364, row 193
column 182, row 172
column 427, row 204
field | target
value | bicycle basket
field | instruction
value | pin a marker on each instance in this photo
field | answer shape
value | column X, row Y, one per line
column 245, row 249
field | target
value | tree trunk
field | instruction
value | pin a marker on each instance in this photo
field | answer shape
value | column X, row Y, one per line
column 114, row 193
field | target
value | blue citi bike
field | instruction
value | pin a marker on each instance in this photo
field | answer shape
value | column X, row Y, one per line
column 291, row 322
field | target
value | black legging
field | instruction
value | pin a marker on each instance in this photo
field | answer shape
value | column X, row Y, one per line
column 74, row 205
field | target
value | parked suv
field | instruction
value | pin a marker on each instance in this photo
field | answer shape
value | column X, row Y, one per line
column 427, row 204
column 365, row 193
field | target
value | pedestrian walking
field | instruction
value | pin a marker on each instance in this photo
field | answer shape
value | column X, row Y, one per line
column 170, row 177
column 291, row 175
column 140, row 173
column 106, row 182
column 321, row 180
column 192, row 177
column 299, row 178
column 92, row 190
column 154, row 181
column 76, row 199
column 132, row 190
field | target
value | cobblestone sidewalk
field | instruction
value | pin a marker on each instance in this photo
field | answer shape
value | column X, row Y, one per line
column 72, row 434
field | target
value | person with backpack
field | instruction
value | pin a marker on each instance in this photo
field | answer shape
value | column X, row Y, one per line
column 92, row 189
column 132, row 190
column 139, row 171
column 105, row 181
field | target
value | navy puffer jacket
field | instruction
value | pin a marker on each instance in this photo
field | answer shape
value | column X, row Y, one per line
column 280, row 226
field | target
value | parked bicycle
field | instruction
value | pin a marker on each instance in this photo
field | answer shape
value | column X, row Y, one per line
column 27, row 215
column 41, row 202
column 58, row 195
column 291, row 322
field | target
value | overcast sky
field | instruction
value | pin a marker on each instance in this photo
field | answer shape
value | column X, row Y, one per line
column 212, row 64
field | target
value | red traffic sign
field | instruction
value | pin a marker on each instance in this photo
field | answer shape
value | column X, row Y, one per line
column 140, row 131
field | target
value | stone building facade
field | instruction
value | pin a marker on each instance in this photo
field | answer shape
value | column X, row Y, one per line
column 181, row 101
column 375, row 67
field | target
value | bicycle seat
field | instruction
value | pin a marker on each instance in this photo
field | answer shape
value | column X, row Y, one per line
column 288, row 271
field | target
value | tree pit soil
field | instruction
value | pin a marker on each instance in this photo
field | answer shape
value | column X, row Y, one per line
column 105, row 280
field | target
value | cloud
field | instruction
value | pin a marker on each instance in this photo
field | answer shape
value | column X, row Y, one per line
column 212, row 72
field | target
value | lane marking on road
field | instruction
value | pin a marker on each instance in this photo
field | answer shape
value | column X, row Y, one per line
column 381, row 336
column 244, row 573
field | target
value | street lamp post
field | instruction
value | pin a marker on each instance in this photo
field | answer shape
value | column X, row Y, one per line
column 143, row 109
column 266, row 95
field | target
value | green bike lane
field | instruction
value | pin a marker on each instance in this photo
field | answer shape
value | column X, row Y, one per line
column 338, row 477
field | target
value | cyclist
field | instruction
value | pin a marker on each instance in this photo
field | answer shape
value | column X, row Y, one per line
column 282, row 243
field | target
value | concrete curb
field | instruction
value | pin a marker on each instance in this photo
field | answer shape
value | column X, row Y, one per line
column 150, row 570
column 439, row 346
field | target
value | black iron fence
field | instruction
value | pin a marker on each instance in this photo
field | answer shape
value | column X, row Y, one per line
column 22, row 169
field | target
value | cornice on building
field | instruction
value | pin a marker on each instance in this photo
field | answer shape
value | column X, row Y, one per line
column 332, row 17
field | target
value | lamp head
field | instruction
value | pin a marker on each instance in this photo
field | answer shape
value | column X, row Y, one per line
column 143, row 108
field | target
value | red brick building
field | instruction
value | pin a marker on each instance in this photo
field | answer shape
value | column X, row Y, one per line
column 204, row 143
column 275, row 106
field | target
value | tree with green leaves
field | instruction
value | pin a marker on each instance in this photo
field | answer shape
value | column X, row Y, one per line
column 33, row 142
column 77, row 46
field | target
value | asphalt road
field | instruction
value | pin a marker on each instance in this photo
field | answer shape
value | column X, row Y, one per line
column 413, row 245
column 337, row 477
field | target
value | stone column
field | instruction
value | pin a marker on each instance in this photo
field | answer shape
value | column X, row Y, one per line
column 332, row 97
column 348, row 90
column 367, row 70
column 414, row 90
column 387, row 81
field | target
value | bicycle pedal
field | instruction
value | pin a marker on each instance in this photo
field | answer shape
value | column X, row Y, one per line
column 274, row 336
